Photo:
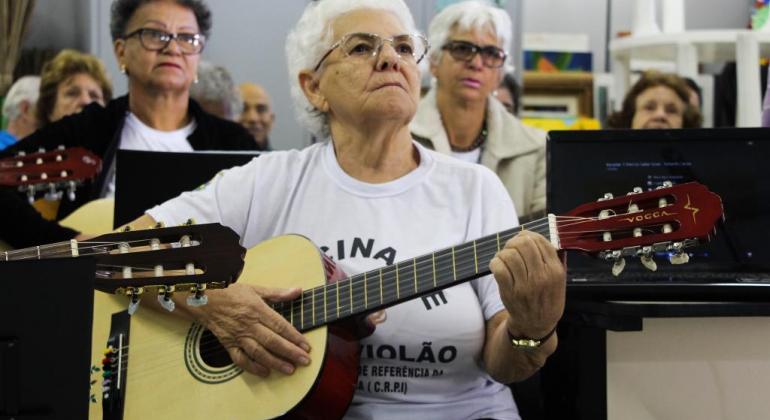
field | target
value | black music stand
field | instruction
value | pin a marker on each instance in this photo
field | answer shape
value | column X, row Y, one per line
column 46, row 310
column 145, row 179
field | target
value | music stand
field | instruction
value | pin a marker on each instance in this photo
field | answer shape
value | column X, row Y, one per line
column 145, row 179
column 46, row 310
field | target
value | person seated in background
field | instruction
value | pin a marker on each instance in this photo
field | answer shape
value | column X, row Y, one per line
column 215, row 91
column 19, row 110
column 257, row 115
column 354, row 68
column 157, row 45
column 508, row 93
column 696, row 93
column 68, row 83
column 657, row 100
column 459, row 116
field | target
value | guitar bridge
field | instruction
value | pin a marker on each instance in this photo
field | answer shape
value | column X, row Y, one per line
column 114, row 367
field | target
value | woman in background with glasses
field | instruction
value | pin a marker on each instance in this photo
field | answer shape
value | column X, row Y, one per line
column 461, row 117
column 157, row 45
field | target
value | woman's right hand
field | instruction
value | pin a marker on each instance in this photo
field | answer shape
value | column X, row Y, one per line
column 257, row 338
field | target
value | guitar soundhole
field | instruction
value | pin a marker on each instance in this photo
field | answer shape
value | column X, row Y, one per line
column 212, row 352
column 205, row 357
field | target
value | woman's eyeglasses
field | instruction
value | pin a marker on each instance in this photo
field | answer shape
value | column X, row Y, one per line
column 157, row 40
column 491, row 56
column 410, row 48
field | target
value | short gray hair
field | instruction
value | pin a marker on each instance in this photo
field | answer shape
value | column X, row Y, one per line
column 216, row 85
column 470, row 15
column 311, row 37
column 27, row 89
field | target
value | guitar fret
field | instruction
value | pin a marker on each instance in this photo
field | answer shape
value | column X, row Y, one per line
column 338, row 300
column 433, row 259
column 366, row 297
column 454, row 270
column 313, row 302
column 350, row 288
column 414, row 267
column 381, row 286
column 475, row 258
column 398, row 289
column 325, row 290
column 302, row 311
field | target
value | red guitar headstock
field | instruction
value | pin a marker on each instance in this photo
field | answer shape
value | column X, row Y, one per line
column 666, row 219
column 49, row 171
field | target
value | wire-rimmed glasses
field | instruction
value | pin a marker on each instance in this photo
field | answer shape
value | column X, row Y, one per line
column 411, row 48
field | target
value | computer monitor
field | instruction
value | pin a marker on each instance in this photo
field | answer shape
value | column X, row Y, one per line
column 583, row 165
column 146, row 179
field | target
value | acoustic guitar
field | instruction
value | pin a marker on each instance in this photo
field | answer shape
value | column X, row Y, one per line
column 167, row 367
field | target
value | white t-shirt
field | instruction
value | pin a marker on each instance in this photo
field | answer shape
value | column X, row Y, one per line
column 425, row 360
column 137, row 135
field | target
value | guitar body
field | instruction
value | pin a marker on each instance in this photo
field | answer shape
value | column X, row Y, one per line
column 170, row 374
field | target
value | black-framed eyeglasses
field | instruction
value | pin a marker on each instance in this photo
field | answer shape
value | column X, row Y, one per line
column 411, row 48
column 158, row 40
column 491, row 56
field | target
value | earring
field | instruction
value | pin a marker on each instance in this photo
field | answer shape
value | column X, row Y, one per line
column 196, row 79
column 123, row 68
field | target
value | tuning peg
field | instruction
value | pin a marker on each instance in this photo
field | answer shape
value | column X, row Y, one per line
column 647, row 260
column 59, row 158
column 61, row 147
column 39, row 161
column 43, row 176
column 618, row 266
column 189, row 222
column 197, row 297
column 666, row 184
column 71, row 190
column 52, row 194
column 679, row 258
column 31, row 193
column 135, row 296
column 636, row 190
column 159, row 225
column 607, row 196
column 164, row 298
column 41, row 149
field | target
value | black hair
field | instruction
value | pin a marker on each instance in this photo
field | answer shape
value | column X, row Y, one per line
column 123, row 10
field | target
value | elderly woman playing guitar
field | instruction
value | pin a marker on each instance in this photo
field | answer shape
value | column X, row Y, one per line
column 375, row 201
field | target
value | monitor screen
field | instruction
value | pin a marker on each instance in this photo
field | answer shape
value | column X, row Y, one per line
column 733, row 163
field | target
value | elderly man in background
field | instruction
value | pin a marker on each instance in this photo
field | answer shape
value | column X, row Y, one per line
column 257, row 115
column 215, row 91
column 19, row 110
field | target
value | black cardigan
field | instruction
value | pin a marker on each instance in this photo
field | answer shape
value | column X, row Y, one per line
column 97, row 129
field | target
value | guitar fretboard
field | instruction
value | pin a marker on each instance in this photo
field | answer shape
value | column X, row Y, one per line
column 390, row 285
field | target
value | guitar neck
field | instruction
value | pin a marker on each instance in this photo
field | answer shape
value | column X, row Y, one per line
column 56, row 250
column 405, row 280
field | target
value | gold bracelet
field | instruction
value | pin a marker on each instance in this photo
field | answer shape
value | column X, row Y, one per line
column 526, row 343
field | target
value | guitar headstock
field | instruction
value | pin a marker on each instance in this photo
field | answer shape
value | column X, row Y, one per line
column 190, row 258
column 666, row 219
column 56, row 170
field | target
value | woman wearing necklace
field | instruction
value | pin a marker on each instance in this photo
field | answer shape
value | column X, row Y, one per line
column 459, row 115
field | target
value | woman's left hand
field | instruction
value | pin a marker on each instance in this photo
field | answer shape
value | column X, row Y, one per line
column 532, row 282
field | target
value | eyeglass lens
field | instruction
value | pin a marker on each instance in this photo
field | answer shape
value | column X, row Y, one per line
column 465, row 51
column 408, row 47
column 156, row 40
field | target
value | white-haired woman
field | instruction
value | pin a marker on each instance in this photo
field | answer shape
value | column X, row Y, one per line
column 370, row 197
column 460, row 116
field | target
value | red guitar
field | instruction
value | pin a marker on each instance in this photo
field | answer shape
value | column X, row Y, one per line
column 57, row 170
column 177, row 369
